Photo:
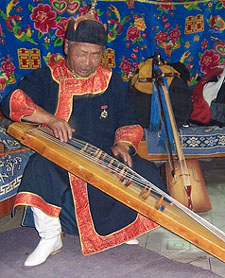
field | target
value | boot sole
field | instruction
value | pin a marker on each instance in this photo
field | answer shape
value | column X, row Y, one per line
column 51, row 254
column 56, row 252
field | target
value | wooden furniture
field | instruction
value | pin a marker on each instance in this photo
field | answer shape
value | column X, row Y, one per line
column 6, row 206
column 142, row 151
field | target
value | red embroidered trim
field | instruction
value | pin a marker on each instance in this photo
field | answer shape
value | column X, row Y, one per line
column 69, row 85
column 30, row 199
column 21, row 105
column 91, row 241
column 131, row 134
column 14, row 151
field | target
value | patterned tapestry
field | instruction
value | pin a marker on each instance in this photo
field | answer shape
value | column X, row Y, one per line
column 192, row 32
column 12, row 163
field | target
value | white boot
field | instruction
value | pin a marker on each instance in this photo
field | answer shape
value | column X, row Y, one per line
column 132, row 242
column 49, row 229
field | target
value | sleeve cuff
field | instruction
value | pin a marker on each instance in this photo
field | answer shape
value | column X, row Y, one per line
column 131, row 134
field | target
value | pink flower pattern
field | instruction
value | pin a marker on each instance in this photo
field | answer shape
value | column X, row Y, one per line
column 61, row 28
column 126, row 67
column 7, row 67
column 209, row 60
column 133, row 33
column 132, row 36
column 44, row 18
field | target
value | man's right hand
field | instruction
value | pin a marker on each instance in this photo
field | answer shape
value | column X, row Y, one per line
column 60, row 128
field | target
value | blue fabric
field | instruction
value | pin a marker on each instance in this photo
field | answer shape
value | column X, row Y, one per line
column 196, row 140
column 159, row 116
column 191, row 32
column 11, row 166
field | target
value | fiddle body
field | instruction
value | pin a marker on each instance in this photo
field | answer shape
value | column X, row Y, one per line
column 176, row 187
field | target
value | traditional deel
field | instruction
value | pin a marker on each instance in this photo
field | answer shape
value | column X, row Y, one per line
column 90, row 126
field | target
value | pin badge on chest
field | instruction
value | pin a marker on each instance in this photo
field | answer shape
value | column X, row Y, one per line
column 104, row 113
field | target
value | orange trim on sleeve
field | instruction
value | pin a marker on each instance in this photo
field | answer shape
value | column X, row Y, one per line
column 21, row 105
column 130, row 134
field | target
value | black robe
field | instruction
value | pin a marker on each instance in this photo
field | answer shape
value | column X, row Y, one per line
column 49, row 182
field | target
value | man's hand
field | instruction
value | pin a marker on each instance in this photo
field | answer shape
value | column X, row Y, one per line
column 122, row 149
column 60, row 128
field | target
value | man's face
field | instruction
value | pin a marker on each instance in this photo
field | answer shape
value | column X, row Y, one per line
column 83, row 58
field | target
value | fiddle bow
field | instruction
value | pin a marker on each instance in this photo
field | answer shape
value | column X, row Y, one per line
column 168, row 123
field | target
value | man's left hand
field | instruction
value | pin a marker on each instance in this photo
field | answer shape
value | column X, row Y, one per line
column 121, row 149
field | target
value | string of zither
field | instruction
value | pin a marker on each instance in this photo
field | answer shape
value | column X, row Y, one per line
column 114, row 166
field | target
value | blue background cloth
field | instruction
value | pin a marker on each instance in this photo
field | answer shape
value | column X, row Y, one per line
column 192, row 32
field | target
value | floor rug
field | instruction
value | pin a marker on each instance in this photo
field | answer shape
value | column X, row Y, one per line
column 122, row 261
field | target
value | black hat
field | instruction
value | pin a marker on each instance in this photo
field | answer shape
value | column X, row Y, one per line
column 88, row 30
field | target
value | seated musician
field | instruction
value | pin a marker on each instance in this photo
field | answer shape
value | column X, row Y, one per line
column 78, row 97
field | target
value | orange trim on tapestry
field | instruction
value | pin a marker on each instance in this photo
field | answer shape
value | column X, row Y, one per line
column 91, row 241
column 15, row 151
column 33, row 200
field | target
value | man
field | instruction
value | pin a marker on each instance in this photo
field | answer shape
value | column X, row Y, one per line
column 78, row 97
